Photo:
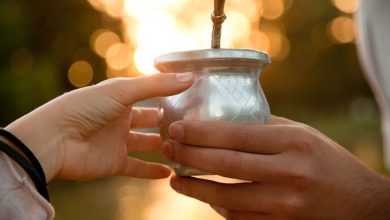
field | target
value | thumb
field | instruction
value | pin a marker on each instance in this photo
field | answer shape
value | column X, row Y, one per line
column 130, row 90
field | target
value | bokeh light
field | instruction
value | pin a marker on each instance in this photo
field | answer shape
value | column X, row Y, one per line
column 118, row 56
column 80, row 74
column 346, row 6
column 102, row 40
column 342, row 29
column 272, row 9
column 277, row 44
column 50, row 50
column 151, row 28
column 259, row 40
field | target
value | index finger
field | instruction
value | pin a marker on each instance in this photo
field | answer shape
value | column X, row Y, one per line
column 130, row 90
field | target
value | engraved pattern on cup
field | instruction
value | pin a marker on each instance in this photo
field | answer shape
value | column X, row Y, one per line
column 224, row 92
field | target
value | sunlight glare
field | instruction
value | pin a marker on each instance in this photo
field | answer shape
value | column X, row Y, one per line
column 235, row 28
column 152, row 28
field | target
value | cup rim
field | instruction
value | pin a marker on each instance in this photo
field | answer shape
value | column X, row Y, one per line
column 212, row 57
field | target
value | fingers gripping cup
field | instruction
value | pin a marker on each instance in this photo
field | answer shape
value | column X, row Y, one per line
column 226, row 88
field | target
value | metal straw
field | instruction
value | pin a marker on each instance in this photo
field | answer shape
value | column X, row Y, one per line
column 218, row 16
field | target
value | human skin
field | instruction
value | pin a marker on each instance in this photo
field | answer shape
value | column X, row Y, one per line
column 291, row 171
column 84, row 134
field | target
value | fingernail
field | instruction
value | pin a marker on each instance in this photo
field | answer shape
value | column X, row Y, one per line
column 166, row 149
column 184, row 77
column 176, row 130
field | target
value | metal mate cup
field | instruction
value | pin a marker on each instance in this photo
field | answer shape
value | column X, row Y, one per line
column 226, row 88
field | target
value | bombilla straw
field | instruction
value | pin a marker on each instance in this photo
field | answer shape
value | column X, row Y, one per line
column 218, row 16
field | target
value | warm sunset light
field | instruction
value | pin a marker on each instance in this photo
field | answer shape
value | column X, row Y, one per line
column 118, row 56
column 154, row 27
column 89, row 64
column 342, row 29
column 151, row 28
column 80, row 74
column 161, row 202
column 102, row 40
column 346, row 6
column 272, row 9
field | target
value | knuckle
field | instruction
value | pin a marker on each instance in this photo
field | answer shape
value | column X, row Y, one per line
column 303, row 139
column 293, row 207
column 156, row 80
column 107, row 81
column 159, row 77
column 112, row 83
column 114, row 87
column 301, row 177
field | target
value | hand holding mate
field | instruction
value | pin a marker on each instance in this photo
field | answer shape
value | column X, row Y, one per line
column 293, row 172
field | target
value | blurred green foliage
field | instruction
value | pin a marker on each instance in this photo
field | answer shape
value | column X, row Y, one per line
column 316, row 74
column 56, row 33
column 317, row 84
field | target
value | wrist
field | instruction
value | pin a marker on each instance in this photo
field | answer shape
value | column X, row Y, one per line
column 25, row 159
column 383, row 200
column 378, row 202
column 9, row 143
column 42, row 138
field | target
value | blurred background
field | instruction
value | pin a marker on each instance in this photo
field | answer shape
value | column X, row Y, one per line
column 50, row 47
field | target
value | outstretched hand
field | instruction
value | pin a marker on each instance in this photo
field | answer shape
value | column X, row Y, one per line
column 292, row 171
column 85, row 134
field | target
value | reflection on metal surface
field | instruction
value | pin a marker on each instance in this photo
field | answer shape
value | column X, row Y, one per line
column 226, row 88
